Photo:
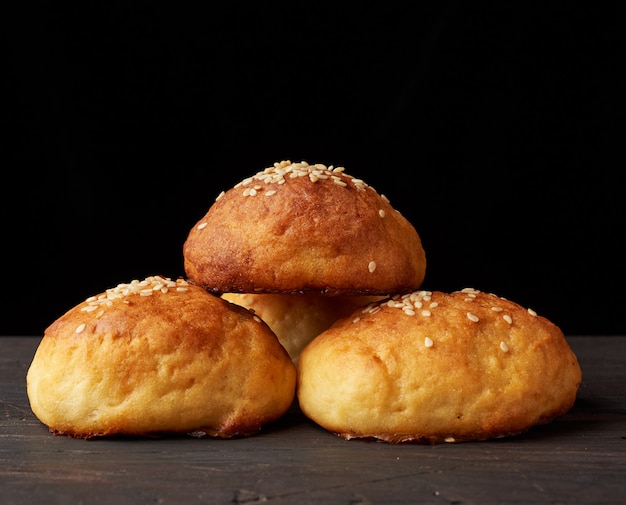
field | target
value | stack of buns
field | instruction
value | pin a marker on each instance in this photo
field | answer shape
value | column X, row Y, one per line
column 303, row 286
column 303, row 245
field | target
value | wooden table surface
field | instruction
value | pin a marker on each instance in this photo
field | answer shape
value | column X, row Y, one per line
column 578, row 458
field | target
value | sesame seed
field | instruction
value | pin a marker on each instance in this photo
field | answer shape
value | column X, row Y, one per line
column 507, row 318
column 80, row 328
column 470, row 290
column 449, row 439
column 146, row 287
column 372, row 266
column 426, row 313
column 408, row 303
column 371, row 308
column 472, row 317
column 201, row 226
column 428, row 342
column 504, row 347
column 497, row 309
column 220, row 195
column 381, row 213
column 356, row 319
column 277, row 173
column 270, row 192
column 532, row 312
column 256, row 318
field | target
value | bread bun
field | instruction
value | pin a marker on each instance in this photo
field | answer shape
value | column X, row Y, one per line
column 431, row 367
column 298, row 319
column 300, row 228
column 157, row 357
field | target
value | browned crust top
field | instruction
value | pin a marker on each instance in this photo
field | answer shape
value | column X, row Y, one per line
column 297, row 228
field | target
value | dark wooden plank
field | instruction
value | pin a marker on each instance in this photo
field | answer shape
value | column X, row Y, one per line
column 579, row 458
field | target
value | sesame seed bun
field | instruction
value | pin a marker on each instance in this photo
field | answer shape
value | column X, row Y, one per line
column 298, row 319
column 300, row 228
column 431, row 367
column 157, row 357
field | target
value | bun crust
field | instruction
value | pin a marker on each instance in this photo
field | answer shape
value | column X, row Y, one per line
column 299, row 228
column 435, row 367
column 157, row 357
column 298, row 319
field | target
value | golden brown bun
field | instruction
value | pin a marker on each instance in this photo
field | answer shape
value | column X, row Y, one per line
column 299, row 228
column 156, row 357
column 298, row 319
column 434, row 367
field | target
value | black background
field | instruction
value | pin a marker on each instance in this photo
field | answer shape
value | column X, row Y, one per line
column 490, row 126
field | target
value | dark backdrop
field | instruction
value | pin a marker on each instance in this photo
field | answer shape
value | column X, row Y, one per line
column 491, row 128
